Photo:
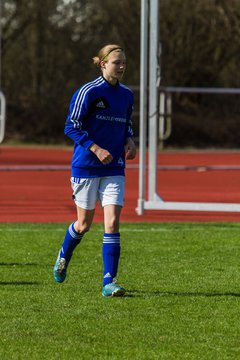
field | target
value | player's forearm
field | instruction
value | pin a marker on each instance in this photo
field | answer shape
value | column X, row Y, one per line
column 78, row 136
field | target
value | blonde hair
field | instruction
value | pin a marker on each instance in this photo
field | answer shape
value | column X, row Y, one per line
column 104, row 52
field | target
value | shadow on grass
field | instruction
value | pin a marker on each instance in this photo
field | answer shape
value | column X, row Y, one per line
column 17, row 264
column 206, row 294
column 17, row 283
column 141, row 293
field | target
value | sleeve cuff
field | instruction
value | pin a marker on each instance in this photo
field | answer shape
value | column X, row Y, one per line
column 87, row 143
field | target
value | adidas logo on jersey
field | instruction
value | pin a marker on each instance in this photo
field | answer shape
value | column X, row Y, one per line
column 101, row 105
column 98, row 104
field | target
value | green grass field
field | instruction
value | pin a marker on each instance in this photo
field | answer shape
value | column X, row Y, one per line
column 183, row 299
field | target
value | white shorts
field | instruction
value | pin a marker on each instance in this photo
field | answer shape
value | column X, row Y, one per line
column 108, row 190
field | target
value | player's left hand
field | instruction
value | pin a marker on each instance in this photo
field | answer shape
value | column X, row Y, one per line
column 130, row 149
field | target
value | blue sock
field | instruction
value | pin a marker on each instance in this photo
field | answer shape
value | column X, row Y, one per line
column 71, row 240
column 111, row 255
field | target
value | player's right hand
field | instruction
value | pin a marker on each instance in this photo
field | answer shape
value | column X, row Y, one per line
column 103, row 155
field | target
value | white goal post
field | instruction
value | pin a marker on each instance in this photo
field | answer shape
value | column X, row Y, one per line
column 2, row 116
column 2, row 97
column 149, row 109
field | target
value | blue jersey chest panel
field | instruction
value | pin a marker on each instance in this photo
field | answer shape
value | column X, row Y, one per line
column 99, row 113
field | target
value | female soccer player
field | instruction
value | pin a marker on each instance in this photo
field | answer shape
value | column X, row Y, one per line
column 99, row 123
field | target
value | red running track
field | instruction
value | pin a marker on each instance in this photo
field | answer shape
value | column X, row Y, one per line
column 45, row 195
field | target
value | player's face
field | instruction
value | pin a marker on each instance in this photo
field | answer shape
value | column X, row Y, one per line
column 113, row 69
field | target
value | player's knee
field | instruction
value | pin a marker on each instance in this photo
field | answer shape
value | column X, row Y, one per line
column 112, row 225
column 82, row 227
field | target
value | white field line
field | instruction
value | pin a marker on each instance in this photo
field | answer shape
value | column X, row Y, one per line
column 199, row 168
column 159, row 229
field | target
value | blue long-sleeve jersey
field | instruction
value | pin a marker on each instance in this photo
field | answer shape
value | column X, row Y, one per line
column 99, row 113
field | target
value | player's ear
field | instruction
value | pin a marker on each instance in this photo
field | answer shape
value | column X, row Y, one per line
column 102, row 64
